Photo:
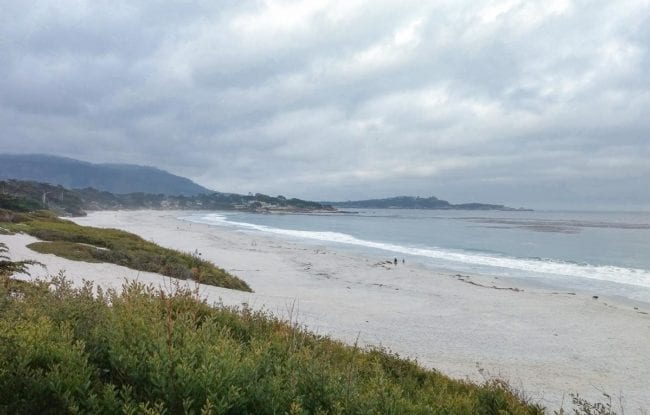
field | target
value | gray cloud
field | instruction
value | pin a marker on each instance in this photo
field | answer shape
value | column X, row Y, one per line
column 537, row 103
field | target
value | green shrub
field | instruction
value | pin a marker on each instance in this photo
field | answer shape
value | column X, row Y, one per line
column 82, row 350
column 69, row 250
column 19, row 204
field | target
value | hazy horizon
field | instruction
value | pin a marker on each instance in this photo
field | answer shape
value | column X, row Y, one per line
column 539, row 207
column 536, row 104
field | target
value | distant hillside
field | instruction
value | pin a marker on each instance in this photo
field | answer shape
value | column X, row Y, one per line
column 410, row 202
column 97, row 200
column 27, row 196
column 114, row 178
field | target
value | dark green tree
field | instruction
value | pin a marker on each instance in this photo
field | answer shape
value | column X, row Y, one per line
column 9, row 268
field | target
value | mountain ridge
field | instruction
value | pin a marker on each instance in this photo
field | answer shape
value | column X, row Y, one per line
column 112, row 177
column 132, row 185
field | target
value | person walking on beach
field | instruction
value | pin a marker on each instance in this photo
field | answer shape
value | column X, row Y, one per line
column 395, row 261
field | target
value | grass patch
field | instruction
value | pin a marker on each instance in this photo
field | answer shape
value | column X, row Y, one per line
column 139, row 350
column 119, row 247
column 68, row 250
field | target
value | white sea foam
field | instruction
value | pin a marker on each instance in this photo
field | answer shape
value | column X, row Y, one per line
column 621, row 275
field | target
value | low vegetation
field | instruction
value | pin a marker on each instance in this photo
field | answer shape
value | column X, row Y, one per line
column 84, row 243
column 83, row 350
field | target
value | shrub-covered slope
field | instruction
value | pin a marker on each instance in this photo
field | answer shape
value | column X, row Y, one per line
column 66, row 350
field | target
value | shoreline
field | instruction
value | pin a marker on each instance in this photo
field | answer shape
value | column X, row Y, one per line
column 587, row 276
column 546, row 344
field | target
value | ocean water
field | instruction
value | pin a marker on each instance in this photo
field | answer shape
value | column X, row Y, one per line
column 606, row 253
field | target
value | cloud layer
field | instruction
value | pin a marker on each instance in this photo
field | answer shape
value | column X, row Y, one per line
column 537, row 103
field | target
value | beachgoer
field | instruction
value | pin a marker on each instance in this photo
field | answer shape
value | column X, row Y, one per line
column 395, row 261
column 403, row 261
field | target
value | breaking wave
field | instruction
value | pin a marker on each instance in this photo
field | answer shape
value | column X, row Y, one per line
column 616, row 274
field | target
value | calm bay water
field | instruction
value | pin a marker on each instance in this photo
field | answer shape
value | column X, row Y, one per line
column 596, row 252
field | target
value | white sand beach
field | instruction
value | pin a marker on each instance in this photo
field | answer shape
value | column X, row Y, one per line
column 544, row 343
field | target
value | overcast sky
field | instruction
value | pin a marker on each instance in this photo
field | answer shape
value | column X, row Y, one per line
column 527, row 103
